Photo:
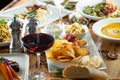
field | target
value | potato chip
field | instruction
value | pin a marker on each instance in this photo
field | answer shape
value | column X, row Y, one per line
column 83, row 51
column 63, row 57
column 75, row 59
column 64, row 60
column 82, row 43
column 64, row 51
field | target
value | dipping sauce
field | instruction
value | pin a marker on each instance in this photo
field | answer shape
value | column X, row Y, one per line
column 112, row 30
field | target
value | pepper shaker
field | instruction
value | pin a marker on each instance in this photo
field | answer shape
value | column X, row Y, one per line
column 32, row 25
column 16, row 45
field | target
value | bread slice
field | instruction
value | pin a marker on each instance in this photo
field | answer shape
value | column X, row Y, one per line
column 83, row 72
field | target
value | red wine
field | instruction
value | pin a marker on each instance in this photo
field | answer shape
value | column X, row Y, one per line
column 38, row 41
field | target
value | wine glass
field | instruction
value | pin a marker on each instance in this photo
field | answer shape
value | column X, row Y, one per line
column 38, row 43
column 60, row 4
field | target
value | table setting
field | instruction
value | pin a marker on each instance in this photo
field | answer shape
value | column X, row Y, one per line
column 60, row 40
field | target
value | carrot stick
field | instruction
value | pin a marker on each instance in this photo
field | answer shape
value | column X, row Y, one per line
column 9, row 72
column 4, row 71
column 15, row 75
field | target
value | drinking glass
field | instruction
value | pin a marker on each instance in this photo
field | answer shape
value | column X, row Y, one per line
column 38, row 43
column 60, row 4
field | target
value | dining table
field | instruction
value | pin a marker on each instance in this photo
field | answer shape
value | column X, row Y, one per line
column 103, row 45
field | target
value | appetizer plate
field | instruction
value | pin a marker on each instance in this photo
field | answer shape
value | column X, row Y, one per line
column 100, row 24
column 91, row 46
column 80, row 6
column 4, row 43
column 54, row 12
column 22, row 60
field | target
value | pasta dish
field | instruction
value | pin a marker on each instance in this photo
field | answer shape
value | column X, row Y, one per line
column 4, row 31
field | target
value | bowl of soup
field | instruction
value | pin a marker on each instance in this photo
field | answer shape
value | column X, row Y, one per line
column 108, row 29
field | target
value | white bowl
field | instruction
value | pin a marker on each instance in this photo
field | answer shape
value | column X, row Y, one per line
column 62, row 64
column 100, row 24
column 80, row 35
column 56, row 30
column 83, row 3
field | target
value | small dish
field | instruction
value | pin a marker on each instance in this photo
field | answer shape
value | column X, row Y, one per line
column 53, row 29
column 100, row 24
column 22, row 60
column 20, row 9
column 77, row 29
column 61, row 65
column 81, row 35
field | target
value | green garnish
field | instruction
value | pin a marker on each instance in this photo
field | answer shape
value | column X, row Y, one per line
column 30, row 14
column 1, row 59
column 69, row 6
column 15, row 15
column 75, row 20
column 3, row 21
column 49, row 2
column 59, row 73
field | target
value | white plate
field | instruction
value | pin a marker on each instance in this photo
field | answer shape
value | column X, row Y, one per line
column 20, row 9
column 53, row 0
column 91, row 46
column 83, row 3
column 4, row 43
column 100, row 24
column 22, row 60
column 7, row 42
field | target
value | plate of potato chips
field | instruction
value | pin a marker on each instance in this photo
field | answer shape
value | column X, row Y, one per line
column 64, row 53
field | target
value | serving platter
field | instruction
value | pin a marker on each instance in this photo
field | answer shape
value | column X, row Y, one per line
column 54, row 14
column 22, row 60
column 9, row 14
column 91, row 46
column 80, row 6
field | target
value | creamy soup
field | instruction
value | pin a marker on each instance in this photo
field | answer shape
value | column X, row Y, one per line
column 112, row 30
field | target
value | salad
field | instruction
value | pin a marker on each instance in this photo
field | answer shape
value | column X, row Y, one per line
column 103, row 10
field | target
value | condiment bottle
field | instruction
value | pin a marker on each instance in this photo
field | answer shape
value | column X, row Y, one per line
column 32, row 24
column 16, row 27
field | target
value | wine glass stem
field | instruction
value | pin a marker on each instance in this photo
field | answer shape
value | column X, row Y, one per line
column 38, row 60
column 60, row 10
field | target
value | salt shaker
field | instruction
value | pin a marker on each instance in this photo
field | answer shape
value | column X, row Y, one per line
column 16, row 45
